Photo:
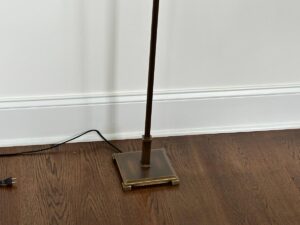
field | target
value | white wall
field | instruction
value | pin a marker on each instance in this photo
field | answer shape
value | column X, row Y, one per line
column 73, row 46
column 69, row 50
column 216, row 43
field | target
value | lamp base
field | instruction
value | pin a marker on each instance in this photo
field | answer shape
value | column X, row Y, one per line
column 134, row 175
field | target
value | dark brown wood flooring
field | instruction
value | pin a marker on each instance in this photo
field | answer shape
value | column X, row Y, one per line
column 245, row 178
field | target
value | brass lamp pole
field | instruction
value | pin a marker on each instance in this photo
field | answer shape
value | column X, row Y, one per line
column 147, row 139
column 146, row 167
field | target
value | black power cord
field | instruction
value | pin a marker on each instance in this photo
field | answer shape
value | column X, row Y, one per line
column 8, row 182
column 115, row 148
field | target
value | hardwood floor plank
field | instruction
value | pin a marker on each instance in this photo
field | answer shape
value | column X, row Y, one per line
column 238, row 179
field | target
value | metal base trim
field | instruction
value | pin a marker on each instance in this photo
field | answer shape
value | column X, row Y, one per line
column 134, row 175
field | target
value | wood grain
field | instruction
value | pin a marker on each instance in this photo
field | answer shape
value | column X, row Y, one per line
column 245, row 178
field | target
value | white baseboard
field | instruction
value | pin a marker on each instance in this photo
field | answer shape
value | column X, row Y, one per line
column 50, row 119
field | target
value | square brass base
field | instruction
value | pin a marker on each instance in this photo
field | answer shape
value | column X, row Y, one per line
column 133, row 175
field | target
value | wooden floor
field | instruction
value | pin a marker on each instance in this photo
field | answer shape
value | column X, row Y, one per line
column 247, row 178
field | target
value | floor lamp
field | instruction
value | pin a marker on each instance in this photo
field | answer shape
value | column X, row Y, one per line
column 147, row 167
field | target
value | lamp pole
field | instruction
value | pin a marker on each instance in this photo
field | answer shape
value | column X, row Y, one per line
column 147, row 138
column 147, row 167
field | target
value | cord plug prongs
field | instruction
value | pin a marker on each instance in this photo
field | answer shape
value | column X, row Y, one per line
column 8, row 182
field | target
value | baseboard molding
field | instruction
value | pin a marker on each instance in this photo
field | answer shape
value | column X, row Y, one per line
column 50, row 119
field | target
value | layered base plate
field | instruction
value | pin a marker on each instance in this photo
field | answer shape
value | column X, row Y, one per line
column 134, row 175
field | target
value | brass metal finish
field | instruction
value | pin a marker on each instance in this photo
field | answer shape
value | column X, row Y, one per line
column 146, row 151
column 147, row 167
column 134, row 175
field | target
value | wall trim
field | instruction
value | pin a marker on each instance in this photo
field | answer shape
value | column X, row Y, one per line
column 37, row 120
column 160, row 133
column 140, row 96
